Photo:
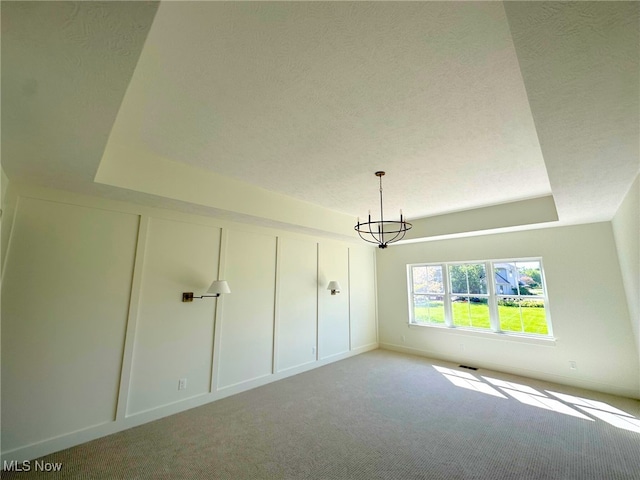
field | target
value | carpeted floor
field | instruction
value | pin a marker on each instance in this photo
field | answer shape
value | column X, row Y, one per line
column 378, row 415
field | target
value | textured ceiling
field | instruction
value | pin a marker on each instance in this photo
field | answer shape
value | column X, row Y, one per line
column 309, row 99
column 65, row 69
column 581, row 67
column 464, row 104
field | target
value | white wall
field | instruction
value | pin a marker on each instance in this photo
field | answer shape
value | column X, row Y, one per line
column 246, row 326
column 333, row 310
column 626, row 231
column 173, row 340
column 362, row 304
column 65, row 296
column 95, row 336
column 296, row 326
column 587, row 307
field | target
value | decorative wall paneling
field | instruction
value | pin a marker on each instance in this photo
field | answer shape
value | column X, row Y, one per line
column 95, row 337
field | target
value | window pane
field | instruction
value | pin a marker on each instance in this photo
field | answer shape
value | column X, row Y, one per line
column 434, row 279
column 427, row 279
column 506, row 278
column 530, row 278
column 460, row 312
column 458, row 278
column 470, row 312
column 477, row 274
column 468, row 278
column 419, row 279
column 522, row 315
column 534, row 316
column 509, row 315
column 428, row 308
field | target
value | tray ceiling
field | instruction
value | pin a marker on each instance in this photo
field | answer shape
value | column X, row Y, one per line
column 464, row 104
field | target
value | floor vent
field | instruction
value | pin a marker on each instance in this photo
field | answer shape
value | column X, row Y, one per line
column 468, row 367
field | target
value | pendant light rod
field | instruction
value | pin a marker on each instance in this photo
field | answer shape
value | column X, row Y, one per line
column 380, row 174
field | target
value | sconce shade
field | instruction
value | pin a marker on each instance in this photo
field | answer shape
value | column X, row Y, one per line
column 218, row 287
column 334, row 287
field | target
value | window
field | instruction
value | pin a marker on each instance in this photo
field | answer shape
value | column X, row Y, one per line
column 469, row 298
column 505, row 296
column 521, row 303
column 428, row 296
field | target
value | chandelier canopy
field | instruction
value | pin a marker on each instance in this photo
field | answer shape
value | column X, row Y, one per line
column 382, row 232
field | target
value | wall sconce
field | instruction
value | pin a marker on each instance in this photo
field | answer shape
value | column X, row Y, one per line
column 217, row 288
column 334, row 287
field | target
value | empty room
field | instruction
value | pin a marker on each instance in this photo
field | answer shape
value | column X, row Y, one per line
column 328, row 240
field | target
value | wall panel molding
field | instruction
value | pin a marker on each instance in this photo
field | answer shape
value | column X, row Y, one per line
column 132, row 319
column 171, row 252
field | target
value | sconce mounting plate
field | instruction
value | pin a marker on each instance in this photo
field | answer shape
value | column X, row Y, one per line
column 187, row 296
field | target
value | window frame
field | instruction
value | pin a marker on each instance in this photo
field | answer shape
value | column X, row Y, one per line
column 413, row 294
column 491, row 295
column 467, row 295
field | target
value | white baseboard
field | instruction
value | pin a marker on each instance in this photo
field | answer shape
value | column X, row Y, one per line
column 524, row 372
column 45, row 447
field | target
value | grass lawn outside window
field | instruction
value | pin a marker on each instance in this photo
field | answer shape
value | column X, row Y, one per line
column 510, row 317
column 506, row 296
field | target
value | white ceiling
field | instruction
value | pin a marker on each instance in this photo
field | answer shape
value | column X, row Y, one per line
column 464, row 104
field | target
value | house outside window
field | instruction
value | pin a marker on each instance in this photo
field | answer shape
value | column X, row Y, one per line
column 501, row 296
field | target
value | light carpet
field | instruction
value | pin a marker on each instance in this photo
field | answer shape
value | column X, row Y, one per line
column 379, row 415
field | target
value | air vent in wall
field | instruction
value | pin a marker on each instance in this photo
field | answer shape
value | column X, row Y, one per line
column 468, row 367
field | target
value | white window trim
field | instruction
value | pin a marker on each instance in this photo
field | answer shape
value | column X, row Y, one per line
column 492, row 302
column 448, row 312
column 530, row 338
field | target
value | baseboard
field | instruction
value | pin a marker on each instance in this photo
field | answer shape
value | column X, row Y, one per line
column 523, row 372
column 365, row 348
column 45, row 447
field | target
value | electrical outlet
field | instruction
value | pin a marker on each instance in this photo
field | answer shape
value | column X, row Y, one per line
column 462, row 347
column 573, row 365
column 182, row 384
column 403, row 339
column 313, row 350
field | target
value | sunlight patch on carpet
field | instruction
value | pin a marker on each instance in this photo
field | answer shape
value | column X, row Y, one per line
column 513, row 386
column 610, row 414
column 473, row 385
column 468, row 381
column 546, row 403
column 585, row 402
column 563, row 403
column 620, row 421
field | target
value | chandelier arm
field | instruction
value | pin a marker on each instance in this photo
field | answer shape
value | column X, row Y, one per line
column 372, row 233
column 369, row 225
column 367, row 240
column 400, row 234
column 365, row 228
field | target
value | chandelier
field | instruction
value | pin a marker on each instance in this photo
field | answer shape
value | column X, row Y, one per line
column 382, row 231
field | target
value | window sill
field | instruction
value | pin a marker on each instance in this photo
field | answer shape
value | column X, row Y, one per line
column 509, row 337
